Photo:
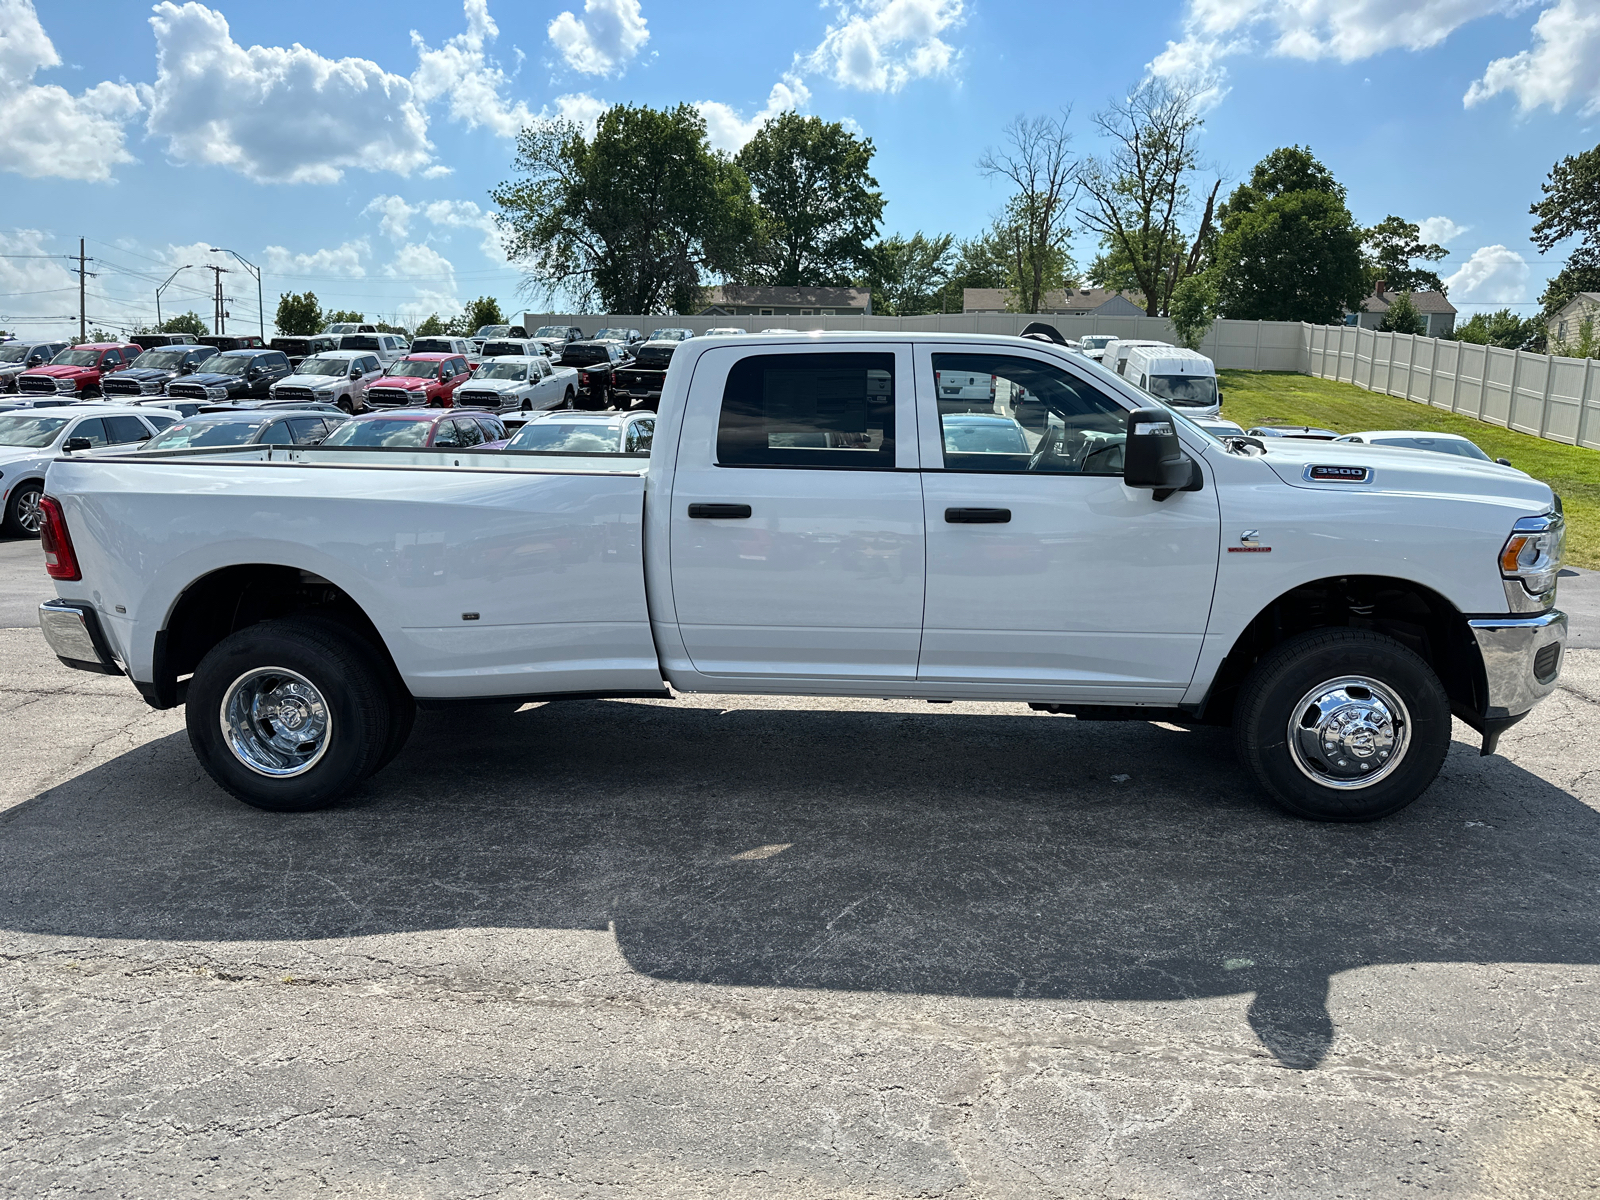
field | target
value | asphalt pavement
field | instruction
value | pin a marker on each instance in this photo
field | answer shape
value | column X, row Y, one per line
column 741, row 946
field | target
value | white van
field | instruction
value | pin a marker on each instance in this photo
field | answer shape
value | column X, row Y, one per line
column 1185, row 379
column 1115, row 355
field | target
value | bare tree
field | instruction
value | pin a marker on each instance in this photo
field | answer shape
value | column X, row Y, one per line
column 1138, row 195
column 1037, row 158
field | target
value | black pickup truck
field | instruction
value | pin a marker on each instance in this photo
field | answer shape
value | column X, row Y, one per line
column 639, row 386
column 597, row 364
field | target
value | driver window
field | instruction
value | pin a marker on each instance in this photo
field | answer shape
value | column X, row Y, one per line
column 94, row 429
column 1004, row 413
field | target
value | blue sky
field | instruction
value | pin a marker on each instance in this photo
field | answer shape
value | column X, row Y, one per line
column 349, row 148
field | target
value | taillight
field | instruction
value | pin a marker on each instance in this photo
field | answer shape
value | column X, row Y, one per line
column 60, row 560
column 613, row 379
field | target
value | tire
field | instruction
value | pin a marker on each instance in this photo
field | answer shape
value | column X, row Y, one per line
column 333, row 686
column 23, row 517
column 567, row 403
column 1378, row 704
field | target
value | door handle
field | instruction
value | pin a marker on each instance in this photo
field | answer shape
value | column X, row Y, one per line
column 977, row 516
column 720, row 512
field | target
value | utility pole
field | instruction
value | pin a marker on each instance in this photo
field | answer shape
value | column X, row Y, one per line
column 83, row 276
column 218, row 316
column 261, row 311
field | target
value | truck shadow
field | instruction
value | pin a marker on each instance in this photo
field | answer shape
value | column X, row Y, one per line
column 967, row 855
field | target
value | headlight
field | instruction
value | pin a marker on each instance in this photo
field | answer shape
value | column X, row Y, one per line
column 323, row 393
column 1532, row 554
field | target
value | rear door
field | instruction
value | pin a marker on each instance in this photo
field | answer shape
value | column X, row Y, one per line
column 796, row 523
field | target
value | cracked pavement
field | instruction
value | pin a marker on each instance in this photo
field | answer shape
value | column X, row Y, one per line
column 738, row 946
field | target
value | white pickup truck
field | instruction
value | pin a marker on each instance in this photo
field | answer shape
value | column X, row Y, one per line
column 804, row 526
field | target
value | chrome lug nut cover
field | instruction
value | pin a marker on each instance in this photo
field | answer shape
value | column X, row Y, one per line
column 275, row 722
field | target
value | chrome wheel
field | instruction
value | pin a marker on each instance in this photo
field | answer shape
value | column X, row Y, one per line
column 30, row 514
column 276, row 722
column 1349, row 733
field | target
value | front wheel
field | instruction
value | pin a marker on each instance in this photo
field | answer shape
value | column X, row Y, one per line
column 290, row 715
column 23, row 512
column 1343, row 725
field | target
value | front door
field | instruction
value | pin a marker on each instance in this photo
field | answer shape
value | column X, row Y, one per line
column 796, row 526
column 1047, row 577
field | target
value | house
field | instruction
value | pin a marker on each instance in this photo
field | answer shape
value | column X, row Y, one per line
column 1437, row 313
column 1074, row 302
column 1566, row 327
column 739, row 300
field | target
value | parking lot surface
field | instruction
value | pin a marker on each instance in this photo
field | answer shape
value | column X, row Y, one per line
column 812, row 948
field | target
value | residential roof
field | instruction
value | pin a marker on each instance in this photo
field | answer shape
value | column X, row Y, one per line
column 1070, row 300
column 1589, row 297
column 1423, row 302
column 808, row 297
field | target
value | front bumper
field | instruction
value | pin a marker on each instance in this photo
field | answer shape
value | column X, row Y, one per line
column 1521, row 664
column 72, row 630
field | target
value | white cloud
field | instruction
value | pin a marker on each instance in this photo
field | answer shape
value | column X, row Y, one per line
column 462, row 70
column 36, row 289
column 881, row 45
column 433, row 282
column 604, row 40
column 45, row 129
column 727, row 130
column 394, row 215
column 580, row 108
column 1440, row 231
column 344, row 259
column 275, row 114
column 395, row 218
column 1563, row 67
column 1493, row 275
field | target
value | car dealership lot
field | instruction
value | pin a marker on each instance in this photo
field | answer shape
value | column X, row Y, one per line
column 752, row 946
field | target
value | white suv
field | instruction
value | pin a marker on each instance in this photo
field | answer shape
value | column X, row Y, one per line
column 333, row 377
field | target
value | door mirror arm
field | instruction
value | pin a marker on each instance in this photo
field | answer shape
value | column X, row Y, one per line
column 1153, row 457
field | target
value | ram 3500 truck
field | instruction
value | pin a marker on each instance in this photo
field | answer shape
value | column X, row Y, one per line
column 807, row 522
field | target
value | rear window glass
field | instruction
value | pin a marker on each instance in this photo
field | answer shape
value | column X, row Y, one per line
column 654, row 358
column 186, row 434
column 583, row 356
column 381, row 432
column 563, row 437
column 359, row 341
column 432, row 346
column 809, row 410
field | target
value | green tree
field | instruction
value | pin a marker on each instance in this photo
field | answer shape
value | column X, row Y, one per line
column 431, row 327
column 298, row 314
column 1504, row 329
column 1139, row 194
column 1585, row 345
column 1289, row 249
column 818, row 203
column 1194, row 308
column 1391, row 246
column 1037, row 161
column 906, row 275
column 485, row 310
column 1402, row 316
column 1570, row 208
column 633, row 218
column 980, row 262
column 343, row 316
column 189, row 322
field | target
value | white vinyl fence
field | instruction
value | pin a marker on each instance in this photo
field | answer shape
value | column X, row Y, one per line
column 1543, row 394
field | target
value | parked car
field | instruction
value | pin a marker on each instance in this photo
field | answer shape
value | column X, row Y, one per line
column 1303, row 432
column 297, row 347
column 639, row 385
column 389, row 347
column 982, row 433
column 1185, row 379
column 232, row 375
column 1418, row 439
column 486, row 333
column 169, row 404
column 420, row 428
column 19, row 356
column 625, row 337
column 723, row 331
column 31, row 439
column 670, row 335
column 1093, row 345
column 429, row 379
column 1336, row 605
column 972, row 390
column 586, row 433
column 339, row 377
column 1218, row 427
column 523, row 383
column 149, row 341
column 596, row 362
column 77, row 371
column 149, row 374
column 246, row 427
column 558, row 335
column 232, row 341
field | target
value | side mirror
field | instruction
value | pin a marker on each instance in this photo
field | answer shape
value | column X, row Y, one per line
column 253, row 373
column 188, row 368
column 1504, row 462
column 1219, row 395
column 1152, row 456
column 34, row 359
column 75, row 444
column 355, row 373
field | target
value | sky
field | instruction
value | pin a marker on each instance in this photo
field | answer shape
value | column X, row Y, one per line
column 349, row 148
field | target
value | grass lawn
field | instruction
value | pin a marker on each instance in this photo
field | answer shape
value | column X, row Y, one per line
column 1272, row 397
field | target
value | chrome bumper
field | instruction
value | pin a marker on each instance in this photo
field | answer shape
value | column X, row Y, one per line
column 72, row 629
column 1521, row 660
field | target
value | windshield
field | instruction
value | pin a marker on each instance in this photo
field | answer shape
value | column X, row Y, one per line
column 13, row 353
column 221, row 364
column 494, row 370
column 165, row 360
column 1096, row 341
column 347, row 327
column 562, row 437
column 323, row 366
column 1438, row 445
column 29, row 431
column 611, row 335
column 582, row 356
column 670, row 335
column 204, row 433
column 411, row 369
column 489, row 331
column 1185, row 391
column 385, row 431
column 76, row 358
column 551, row 331
column 358, row 341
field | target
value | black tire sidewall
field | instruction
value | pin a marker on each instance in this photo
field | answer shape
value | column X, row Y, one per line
column 1281, row 680
column 357, row 701
column 13, row 516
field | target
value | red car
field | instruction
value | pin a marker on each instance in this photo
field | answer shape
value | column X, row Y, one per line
column 419, row 429
column 420, row 379
column 77, row 370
